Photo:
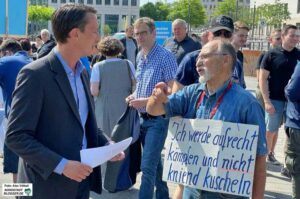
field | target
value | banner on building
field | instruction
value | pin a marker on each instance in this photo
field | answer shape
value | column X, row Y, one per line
column 13, row 18
column 163, row 31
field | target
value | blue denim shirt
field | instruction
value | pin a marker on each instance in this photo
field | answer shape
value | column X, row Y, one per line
column 238, row 105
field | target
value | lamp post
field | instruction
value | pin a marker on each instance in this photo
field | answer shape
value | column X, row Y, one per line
column 236, row 9
column 189, row 16
column 253, row 21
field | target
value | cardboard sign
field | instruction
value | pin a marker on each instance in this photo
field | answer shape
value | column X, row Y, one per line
column 211, row 155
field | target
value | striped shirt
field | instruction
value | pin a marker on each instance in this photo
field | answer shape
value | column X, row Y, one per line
column 158, row 66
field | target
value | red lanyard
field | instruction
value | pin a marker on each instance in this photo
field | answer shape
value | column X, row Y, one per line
column 214, row 110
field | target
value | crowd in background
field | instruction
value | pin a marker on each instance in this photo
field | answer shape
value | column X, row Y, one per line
column 160, row 82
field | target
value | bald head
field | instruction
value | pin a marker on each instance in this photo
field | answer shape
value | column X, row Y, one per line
column 222, row 47
column 215, row 63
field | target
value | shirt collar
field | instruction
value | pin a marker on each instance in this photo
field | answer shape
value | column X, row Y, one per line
column 79, row 66
column 22, row 52
column 151, row 52
column 218, row 92
column 283, row 50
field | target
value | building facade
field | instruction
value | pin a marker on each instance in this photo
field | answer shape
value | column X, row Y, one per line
column 114, row 13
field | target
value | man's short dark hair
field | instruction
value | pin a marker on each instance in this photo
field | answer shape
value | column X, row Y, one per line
column 67, row 17
column 25, row 43
column 286, row 29
column 11, row 45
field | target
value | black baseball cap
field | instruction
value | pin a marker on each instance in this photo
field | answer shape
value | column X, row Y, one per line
column 221, row 22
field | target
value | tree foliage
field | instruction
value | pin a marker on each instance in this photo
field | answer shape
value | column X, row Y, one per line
column 106, row 30
column 39, row 13
column 233, row 10
column 158, row 11
column 192, row 11
column 273, row 14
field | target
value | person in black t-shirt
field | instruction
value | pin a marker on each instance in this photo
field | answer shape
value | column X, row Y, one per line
column 276, row 69
column 275, row 41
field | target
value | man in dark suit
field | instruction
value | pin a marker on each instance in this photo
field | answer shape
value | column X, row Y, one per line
column 130, row 45
column 52, row 116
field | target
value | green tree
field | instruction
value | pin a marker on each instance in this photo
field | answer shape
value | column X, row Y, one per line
column 158, row 11
column 38, row 17
column 106, row 30
column 273, row 14
column 233, row 10
column 39, row 13
column 192, row 11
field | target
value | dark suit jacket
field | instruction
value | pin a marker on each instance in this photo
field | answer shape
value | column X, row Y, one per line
column 44, row 126
column 124, row 54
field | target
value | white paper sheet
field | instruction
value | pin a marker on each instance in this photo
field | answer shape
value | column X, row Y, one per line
column 97, row 156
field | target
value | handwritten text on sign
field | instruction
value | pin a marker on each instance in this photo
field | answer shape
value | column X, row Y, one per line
column 211, row 155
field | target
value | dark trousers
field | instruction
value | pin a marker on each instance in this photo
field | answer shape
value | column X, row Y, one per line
column 83, row 191
column 292, row 159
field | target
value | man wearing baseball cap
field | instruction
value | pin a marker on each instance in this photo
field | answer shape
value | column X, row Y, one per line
column 220, row 27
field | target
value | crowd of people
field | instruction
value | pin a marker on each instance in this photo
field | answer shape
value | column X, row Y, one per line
column 68, row 92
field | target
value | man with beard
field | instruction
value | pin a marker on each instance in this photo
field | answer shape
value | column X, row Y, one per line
column 215, row 65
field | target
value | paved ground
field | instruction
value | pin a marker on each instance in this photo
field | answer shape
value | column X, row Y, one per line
column 277, row 186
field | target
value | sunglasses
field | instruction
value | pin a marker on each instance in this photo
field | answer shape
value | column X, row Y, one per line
column 226, row 34
column 278, row 38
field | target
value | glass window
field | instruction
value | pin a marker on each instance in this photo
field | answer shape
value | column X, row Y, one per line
column 99, row 22
column 112, row 22
column 63, row 1
column 116, row 2
column 98, row 2
column 125, row 2
column 81, row 1
column 107, row 2
column 54, row 1
column 90, row 2
column 72, row 1
column 132, row 19
column 133, row 3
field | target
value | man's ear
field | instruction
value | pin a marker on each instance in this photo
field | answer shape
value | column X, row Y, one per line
column 227, row 59
column 74, row 33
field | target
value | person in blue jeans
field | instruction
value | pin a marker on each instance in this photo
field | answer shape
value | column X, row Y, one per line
column 215, row 97
column 276, row 69
column 154, row 64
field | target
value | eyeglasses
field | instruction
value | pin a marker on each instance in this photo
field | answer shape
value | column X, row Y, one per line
column 226, row 34
column 141, row 34
column 208, row 55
